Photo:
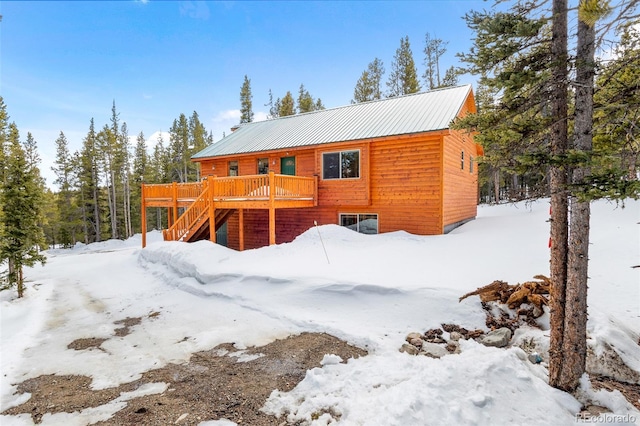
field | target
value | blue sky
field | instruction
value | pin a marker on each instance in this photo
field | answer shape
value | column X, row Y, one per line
column 65, row 62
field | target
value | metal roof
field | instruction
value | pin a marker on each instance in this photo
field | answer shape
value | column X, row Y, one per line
column 415, row 113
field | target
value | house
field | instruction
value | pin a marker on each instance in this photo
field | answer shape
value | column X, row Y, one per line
column 374, row 167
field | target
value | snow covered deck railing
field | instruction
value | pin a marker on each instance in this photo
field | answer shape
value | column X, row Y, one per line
column 202, row 199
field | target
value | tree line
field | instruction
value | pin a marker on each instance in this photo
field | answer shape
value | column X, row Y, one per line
column 99, row 185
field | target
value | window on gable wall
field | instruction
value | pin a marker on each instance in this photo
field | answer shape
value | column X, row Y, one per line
column 462, row 160
column 341, row 165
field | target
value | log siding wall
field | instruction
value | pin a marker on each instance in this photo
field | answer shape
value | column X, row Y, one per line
column 413, row 183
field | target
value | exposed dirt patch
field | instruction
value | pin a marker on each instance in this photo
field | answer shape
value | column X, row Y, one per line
column 220, row 383
column 82, row 344
column 630, row 391
column 127, row 324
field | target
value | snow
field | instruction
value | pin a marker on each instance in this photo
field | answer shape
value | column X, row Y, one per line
column 371, row 290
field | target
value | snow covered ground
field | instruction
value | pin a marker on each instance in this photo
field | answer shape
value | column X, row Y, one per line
column 370, row 290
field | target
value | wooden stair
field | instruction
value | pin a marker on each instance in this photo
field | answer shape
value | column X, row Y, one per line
column 193, row 224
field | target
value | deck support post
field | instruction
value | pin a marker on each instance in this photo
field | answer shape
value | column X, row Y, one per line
column 272, row 209
column 212, row 211
column 174, row 216
column 143, row 218
column 241, row 229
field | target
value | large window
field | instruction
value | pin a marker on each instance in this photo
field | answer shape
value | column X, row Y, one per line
column 360, row 222
column 263, row 166
column 233, row 168
column 341, row 165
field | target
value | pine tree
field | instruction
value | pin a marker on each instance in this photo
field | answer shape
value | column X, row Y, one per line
column 617, row 116
column 88, row 180
column 403, row 79
column 434, row 48
column 63, row 169
column 21, row 198
column 368, row 85
column 450, row 78
column 198, row 140
column 531, row 118
column 140, row 175
column 273, row 106
column 246, row 103
column 287, row 106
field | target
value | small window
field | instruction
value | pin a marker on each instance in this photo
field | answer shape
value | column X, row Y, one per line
column 363, row 223
column 341, row 165
column 233, row 168
column 462, row 160
column 263, row 166
column 470, row 164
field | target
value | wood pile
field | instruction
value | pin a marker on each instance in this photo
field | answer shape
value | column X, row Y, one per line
column 532, row 294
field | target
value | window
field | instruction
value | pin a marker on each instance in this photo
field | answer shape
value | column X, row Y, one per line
column 233, row 168
column 263, row 166
column 341, row 165
column 462, row 160
column 363, row 223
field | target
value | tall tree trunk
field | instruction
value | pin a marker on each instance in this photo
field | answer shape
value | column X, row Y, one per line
column 96, row 199
column 574, row 347
column 558, row 183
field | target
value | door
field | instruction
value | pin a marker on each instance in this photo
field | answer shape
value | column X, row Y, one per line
column 288, row 166
column 221, row 235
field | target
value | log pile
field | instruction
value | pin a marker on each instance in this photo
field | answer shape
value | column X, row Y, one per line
column 526, row 298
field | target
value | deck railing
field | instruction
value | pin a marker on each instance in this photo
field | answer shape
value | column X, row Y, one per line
column 194, row 214
column 253, row 187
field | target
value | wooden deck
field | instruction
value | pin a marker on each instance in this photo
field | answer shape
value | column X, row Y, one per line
column 205, row 201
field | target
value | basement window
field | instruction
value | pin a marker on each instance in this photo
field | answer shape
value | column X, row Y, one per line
column 233, row 168
column 341, row 165
column 360, row 222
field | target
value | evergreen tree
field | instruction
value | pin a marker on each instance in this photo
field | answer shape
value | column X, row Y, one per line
column 21, row 198
column 179, row 149
column 368, row 85
column 403, row 79
column 450, row 78
column 198, row 140
column 88, row 181
column 63, row 169
column 273, row 106
column 305, row 101
column 140, row 175
column 617, row 116
column 246, row 103
column 529, row 70
column 434, row 48
column 287, row 106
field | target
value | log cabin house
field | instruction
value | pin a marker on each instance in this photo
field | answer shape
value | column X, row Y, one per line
column 379, row 166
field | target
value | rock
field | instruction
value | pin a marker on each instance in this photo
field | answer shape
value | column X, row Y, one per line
column 409, row 349
column 411, row 336
column 498, row 338
column 417, row 342
column 535, row 358
column 455, row 336
column 434, row 350
column 453, row 347
column 432, row 334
